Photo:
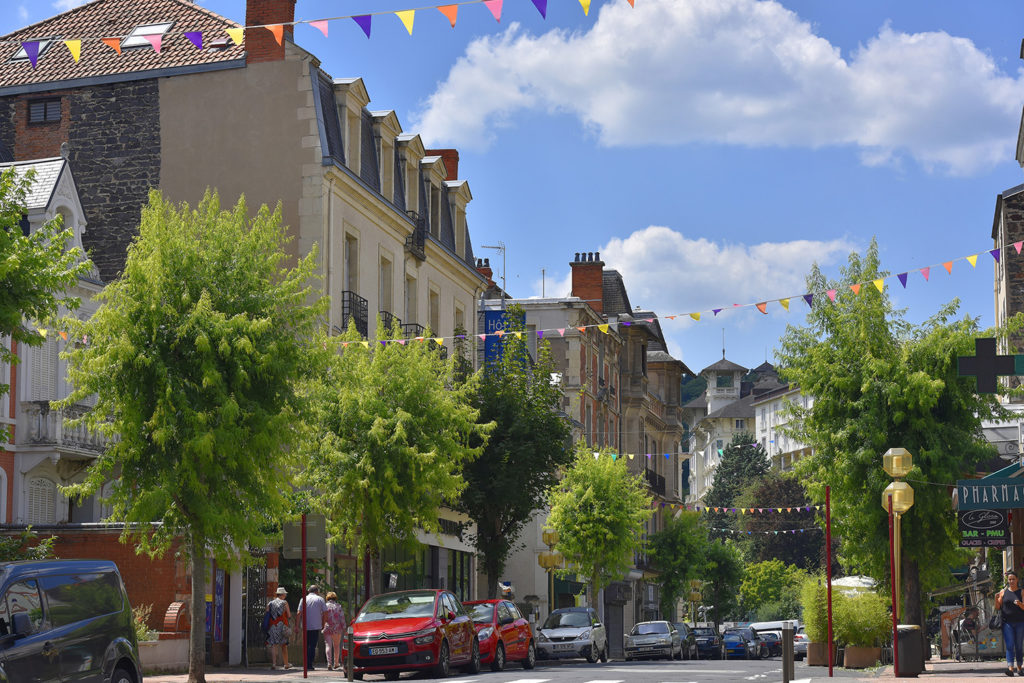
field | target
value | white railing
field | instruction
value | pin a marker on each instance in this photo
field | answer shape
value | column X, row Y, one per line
column 39, row 424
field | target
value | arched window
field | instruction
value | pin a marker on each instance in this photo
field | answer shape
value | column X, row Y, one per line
column 42, row 501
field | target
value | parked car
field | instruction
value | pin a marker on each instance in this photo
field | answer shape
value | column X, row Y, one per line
column 653, row 639
column 773, row 640
column 709, row 644
column 64, row 620
column 743, row 642
column 503, row 633
column 800, row 641
column 687, row 640
column 414, row 630
column 570, row 632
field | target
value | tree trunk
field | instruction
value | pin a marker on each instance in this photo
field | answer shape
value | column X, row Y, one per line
column 197, row 633
column 912, row 612
column 375, row 572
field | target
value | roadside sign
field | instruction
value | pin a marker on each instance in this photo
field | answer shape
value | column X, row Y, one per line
column 316, row 539
column 981, row 528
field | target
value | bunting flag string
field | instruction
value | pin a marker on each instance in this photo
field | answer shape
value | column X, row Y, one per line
column 364, row 21
column 776, row 532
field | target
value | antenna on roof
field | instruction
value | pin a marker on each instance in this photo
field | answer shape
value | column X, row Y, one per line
column 723, row 343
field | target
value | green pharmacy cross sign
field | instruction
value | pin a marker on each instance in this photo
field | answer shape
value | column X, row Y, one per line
column 986, row 365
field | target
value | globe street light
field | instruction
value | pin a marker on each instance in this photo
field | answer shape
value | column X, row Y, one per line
column 897, row 463
column 550, row 560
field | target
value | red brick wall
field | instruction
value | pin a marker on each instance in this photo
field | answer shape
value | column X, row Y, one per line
column 588, row 283
column 451, row 161
column 40, row 140
column 260, row 45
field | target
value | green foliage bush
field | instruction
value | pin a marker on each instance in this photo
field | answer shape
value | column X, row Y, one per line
column 140, row 621
column 860, row 620
column 814, row 600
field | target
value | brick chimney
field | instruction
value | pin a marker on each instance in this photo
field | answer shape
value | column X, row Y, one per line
column 260, row 44
column 588, row 279
column 450, row 158
column 483, row 266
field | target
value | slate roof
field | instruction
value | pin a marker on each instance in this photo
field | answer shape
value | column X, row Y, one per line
column 48, row 172
column 724, row 366
column 116, row 18
column 743, row 407
column 615, row 300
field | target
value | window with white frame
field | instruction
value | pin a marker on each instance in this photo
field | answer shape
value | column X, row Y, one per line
column 42, row 501
column 137, row 37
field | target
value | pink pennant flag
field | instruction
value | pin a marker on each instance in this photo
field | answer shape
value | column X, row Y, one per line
column 561, row 331
column 321, row 25
column 832, row 295
column 196, row 37
column 925, row 271
column 402, row 342
column 495, row 7
column 542, row 7
column 154, row 39
column 364, row 21
column 483, row 337
column 1017, row 246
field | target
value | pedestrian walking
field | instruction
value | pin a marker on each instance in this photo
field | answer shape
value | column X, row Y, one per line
column 277, row 617
column 1010, row 604
column 334, row 628
column 311, row 616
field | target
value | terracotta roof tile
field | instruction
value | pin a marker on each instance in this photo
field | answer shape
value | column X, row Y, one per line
column 115, row 18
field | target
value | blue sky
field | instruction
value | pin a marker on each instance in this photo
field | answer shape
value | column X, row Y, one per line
column 711, row 150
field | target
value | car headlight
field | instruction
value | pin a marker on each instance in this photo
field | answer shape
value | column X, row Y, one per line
column 423, row 637
column 664, row 641
column 542, row 638
column 485, row 633
column 585, row 634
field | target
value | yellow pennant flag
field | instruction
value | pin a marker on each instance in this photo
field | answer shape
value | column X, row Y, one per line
column 632, row 455
column 586, row 7
column 407, row 17
column 519, row 335
column 237, row 34
column 973, row 260
column 43, row 333
column 695, row 316
column 365, row 344
column 439, row 340
column 880, row 284
column 75, row 48
column 603, row 328
column 784, row 303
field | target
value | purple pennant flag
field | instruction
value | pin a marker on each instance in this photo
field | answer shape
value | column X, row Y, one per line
column 540, row 334
column 809, row 298
column 903, row 279
column 196, row 37
column 542, row 7
column 364, row 23
column 31, row 48
column 995, row 254
column 716, row 311
column 626, row 323
column 666, row 456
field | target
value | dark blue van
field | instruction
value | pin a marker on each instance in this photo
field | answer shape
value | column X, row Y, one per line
column 66, row 620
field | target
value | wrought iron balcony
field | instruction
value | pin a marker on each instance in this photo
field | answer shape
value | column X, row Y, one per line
column 388, row 319
column 655, row 481
column 354, row 307
column 415, row 243
column 413, row 330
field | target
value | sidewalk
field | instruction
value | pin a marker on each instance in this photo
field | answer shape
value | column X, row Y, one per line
column 252, row 675
column 945, row 669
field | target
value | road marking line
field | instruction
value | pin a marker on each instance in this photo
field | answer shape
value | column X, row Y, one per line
column 605, row 680
column 526, row 680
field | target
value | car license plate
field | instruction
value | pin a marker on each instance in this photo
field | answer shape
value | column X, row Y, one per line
column 383, row 650
column 647, row 648
column 567, row 646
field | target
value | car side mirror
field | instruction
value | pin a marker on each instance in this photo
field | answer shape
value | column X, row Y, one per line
column 506, row 620
column 22, row 624
column 449, row 615
column 597, row 624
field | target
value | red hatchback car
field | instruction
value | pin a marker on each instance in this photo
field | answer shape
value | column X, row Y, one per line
column 503, row 633
column 414, row 630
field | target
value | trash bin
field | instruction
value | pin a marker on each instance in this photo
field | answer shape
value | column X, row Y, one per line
column 911, row 646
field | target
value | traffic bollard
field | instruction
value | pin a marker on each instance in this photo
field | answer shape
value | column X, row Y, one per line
column 349, row 656
column 788, row 668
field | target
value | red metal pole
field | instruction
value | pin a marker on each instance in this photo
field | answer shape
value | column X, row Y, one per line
column 892, row 580
column 828, row 569
column 302, row 619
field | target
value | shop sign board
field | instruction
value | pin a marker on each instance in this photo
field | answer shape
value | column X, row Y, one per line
column 981, row 528
column 1004, row 493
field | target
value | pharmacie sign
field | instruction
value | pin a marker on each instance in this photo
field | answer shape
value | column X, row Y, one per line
column 981, row 528
column 990, row 494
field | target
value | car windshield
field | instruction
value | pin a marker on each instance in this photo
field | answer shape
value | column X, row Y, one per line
column 647, row 628
column 682, row 628
column 398, row 606
column 739, row 632
column 704, row 631
column 482, row 613
column 567, row 620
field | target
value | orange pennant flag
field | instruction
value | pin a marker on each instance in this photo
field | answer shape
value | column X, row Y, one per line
column 63, row 335
column 450, row 11
column 114, row 43
column 582, row 329
column 855, row 288
column 278, row 32
column 631, row 3
column 763, row 307
column 948, row 265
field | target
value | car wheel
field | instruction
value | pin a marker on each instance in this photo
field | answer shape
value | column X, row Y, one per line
column 358, row 677
column 679, row 655
column 604, row 652
column 498, row 663
column 629, row 659
column 121, row 676
column 391, row 675
column 474, row 658
column 592, row 655
column 443, row 666
column 531, row 656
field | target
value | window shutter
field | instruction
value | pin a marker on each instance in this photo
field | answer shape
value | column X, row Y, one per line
column 44, row 371
column 42, row 501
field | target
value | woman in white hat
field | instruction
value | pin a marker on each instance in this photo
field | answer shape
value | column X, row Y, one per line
column 278, row 616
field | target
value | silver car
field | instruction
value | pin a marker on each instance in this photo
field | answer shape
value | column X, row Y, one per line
column 571, row 632
column 653, row 639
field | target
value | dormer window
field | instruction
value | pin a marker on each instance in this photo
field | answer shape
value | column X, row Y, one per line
column 723, row 381
column 44, row 44
column 137, row 38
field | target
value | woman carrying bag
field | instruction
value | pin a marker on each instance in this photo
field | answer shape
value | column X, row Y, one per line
column 1010, row 604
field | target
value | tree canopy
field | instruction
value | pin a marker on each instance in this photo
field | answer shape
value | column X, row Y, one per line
column 878, row 382
column 194, row 359
column 522, row 456
column 679, row 553
column 743, row 462
column 786, row 498
column 723, row 574
column 770, row 590
column 598, row 509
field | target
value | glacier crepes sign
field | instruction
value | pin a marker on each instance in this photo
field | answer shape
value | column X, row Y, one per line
column 990, row 494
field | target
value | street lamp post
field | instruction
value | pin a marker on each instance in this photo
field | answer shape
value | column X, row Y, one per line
column 897, row 463
column 550, row 560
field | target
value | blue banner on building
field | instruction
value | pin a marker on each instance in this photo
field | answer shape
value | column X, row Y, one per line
column 990, row 494
column 493, row 322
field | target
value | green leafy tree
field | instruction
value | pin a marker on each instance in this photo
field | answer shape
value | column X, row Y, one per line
column 772, row 584
column 723, row 573
column 768, row 538
column 879, row 382
column 679, row 553
column 599, row 509
column 36, row 271
column 743, row 462
column 393, row 433
column 529, row 444
column 26, row 545
column 194, row 359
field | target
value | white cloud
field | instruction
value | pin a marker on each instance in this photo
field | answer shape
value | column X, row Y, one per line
column 744, row 72
column 22, row 13
column 65, row 5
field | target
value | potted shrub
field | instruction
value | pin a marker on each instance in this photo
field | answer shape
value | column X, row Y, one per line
column 814, row 600
column 861, row 625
